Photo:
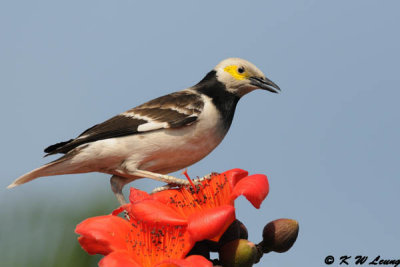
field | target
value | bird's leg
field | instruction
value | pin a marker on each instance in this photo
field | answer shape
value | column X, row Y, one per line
column 117, row 183
column 192, row 182
column 160, row 177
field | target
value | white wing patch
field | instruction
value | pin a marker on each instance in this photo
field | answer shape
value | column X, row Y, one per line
column 153, row 125
column 131, row 114
column 150, row 125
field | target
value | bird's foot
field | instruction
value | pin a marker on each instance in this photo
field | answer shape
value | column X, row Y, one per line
column 192, row 182
column 162, row 188
column 126, row 215
column 161, row 177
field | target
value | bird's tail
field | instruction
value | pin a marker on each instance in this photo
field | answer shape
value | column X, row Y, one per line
column 56, row 167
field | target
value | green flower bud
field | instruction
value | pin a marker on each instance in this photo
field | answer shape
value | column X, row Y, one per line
column 238, row 253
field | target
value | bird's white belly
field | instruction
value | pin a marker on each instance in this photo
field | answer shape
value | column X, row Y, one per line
column 171, row 150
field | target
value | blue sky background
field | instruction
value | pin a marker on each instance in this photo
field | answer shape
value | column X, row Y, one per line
column 329, row 143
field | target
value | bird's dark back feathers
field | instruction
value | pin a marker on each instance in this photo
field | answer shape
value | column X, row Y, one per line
column 115, row 127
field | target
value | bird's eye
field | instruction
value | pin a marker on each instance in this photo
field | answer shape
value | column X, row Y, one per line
column 240, row 69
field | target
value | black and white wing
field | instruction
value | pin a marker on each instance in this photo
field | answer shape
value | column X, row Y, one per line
column 170, row 111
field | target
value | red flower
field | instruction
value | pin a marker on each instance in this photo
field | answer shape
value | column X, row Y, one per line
column 164, row 226
column 217, row 190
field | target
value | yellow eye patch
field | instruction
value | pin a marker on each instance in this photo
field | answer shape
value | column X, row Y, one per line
column 233, row 70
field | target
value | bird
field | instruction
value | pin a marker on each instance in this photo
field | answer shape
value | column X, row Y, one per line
column 161, row 136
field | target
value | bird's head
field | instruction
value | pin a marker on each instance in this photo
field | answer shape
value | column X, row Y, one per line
column 241, row 77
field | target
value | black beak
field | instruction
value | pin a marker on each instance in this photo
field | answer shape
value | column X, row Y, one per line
column 265, row 83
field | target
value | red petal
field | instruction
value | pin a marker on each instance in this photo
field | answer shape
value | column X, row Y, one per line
column 165, row 195
column 210, row 223
column 254, row 187
column 196, row 260
column 93, row 246
column 191, row 261
column 103, row 234
column 154, row 211
column 118, row 259
column 137, row 195
column 235, row 175
column 120, row 209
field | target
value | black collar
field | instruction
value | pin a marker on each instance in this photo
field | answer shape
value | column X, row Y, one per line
column 224, row 101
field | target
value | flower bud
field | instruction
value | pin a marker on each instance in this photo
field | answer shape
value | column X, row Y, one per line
column 279, row 235
column 201, row 248
column 238, row 253
column 236, row 230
